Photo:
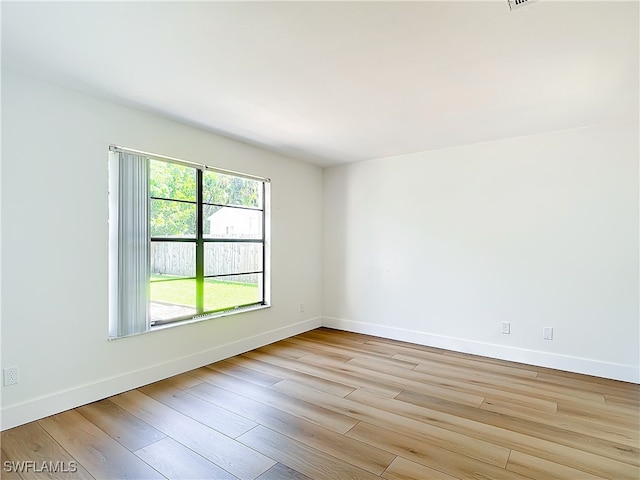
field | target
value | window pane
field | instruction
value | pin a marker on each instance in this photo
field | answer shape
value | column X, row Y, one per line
column 170, row 180
column 172, row 299
column 229, row 292
column 172, row 219
column 224, row 258
column 172, row 259
column 229, row 222
column 230, row 190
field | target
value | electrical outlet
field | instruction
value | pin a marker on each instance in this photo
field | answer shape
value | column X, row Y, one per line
column 301, row 307
column 10, row 376
column 506, row 328
column 547, row 333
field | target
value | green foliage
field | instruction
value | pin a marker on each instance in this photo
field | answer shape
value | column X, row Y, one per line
column 170, row 180
column 178, row 182
column 229, row 190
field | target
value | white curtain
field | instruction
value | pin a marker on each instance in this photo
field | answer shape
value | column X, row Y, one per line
column 128, row 244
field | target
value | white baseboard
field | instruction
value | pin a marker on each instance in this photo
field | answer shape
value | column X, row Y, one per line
column 38, row 408
column 626, row 373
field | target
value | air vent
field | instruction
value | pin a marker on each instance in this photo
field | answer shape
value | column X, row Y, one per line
column 514, row 4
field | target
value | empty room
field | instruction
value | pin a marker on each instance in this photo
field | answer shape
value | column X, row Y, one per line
column 320, row 240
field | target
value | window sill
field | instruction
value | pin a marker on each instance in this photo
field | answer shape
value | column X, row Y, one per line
column 196, row 320
column 203, row 318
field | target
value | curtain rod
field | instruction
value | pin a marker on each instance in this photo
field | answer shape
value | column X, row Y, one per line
column 117, row 148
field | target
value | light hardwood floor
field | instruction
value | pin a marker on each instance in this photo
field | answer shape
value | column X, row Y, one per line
column 335, row 405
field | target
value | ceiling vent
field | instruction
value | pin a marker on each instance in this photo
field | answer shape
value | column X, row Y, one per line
column 515, row 4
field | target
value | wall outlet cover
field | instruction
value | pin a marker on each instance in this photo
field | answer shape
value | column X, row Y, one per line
column 10, row 376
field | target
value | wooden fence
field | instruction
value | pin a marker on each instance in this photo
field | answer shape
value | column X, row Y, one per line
column 179, row 258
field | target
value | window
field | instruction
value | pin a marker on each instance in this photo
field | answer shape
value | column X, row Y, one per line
column 186, row 241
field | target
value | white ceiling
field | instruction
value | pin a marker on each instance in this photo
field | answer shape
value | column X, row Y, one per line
column 335, row 82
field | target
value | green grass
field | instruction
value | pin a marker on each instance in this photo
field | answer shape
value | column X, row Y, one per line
column 217, row 294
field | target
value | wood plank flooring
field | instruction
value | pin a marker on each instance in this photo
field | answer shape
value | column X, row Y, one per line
column 329, row 404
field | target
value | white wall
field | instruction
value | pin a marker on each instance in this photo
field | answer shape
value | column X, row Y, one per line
column 439, row 247
column 54, row 250
column 435, row 248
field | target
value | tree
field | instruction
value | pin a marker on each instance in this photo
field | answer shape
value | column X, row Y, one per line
column 174, row 186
